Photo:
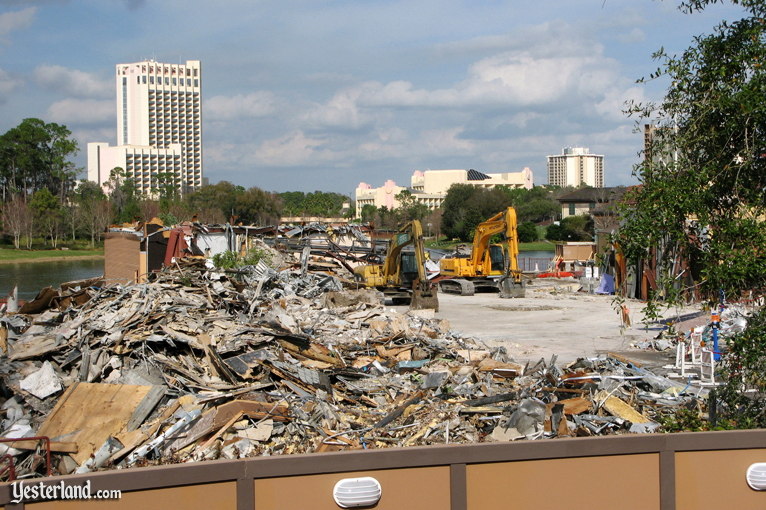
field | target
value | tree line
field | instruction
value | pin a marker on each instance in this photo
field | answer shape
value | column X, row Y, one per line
column 465, row 206
column 42, row 198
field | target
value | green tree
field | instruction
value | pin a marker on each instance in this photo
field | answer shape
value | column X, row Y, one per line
column 318, row 203
column 368, row 213
column 386, row 218
column 527, row 232
column 93, row 208
column 536, row 204
column 122, row 195
column 704, row 173
column 409, row 208
column 221, row 196
column 17, row 218
column 572, row 228
column 36, row 155
column 48, row 214
column 702, row 186
column 466, row 206
column 257, row 207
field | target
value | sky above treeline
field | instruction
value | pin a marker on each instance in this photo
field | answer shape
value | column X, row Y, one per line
column 309, row 95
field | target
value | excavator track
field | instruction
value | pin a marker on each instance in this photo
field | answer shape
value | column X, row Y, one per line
column 457, row 286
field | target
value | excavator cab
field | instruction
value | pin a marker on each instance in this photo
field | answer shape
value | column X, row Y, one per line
column 402, row 276
column 490, row 267
column 496, row 259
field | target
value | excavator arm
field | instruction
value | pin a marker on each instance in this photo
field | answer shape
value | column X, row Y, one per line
column 389, row 275
column 478, row 270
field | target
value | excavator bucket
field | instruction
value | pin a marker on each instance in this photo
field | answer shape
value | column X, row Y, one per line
column 424, row 299
column 511, row 289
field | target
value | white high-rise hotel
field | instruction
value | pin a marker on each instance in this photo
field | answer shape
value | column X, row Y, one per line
column 159, row 128
column 576, row 166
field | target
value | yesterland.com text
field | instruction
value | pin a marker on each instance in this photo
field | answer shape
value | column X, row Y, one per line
column 21, row 491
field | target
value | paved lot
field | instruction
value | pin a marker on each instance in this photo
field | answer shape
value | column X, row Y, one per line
column 552, row 319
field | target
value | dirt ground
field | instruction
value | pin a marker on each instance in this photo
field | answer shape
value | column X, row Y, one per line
column 555, row 319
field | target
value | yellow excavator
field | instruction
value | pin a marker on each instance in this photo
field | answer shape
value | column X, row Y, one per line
column 489, row 267
column 402, row 275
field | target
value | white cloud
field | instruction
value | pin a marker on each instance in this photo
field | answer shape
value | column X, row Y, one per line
column 291, row 150
column 613, row 102
column 256, row 104
column 16, row 20
column 7, row 84
column 442, row 142
column 342, row 111
column 82, row 111
column 224, row 153
column 635, row 35
column 427, row 145
column 73, row 82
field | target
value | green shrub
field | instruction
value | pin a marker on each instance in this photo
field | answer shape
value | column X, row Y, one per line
column 231, row 260
column 225, row 260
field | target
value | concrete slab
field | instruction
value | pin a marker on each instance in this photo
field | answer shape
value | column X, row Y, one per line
column 553, row 319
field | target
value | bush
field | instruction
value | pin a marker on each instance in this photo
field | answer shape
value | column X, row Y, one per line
column 527, row 232
column 225, row 260
column 231, row 260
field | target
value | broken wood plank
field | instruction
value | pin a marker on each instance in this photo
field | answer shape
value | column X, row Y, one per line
column 55, row 446
column 219, row 365
column 414, row 399
column 310, row 350
column 32, row 348
column 146, row 406
column 482, row 410
column 503, row 397
column 220, row 431
column 619, row 408
column 576, row 405
column 89, row 413
column 623, row 359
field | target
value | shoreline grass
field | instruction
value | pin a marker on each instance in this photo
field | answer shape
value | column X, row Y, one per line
column 12, row 256
column 535, row 246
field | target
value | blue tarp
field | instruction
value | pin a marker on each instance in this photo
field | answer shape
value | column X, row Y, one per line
column 606, row 284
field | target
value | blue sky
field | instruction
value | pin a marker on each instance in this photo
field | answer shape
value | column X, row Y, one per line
column 304, row 95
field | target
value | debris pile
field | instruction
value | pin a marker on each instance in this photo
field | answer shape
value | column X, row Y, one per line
column 202, row 364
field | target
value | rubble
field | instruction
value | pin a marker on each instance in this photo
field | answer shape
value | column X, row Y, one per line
column 201, row 363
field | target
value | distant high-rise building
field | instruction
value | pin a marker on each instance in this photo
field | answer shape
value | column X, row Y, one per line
column 159, row 128
column 576, row 166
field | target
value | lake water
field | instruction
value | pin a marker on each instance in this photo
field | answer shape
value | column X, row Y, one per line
column 34, row 276
column 535, row 260
column 31, row 277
